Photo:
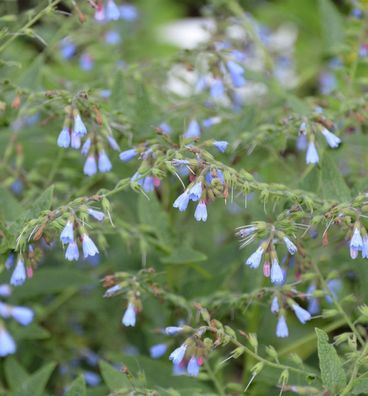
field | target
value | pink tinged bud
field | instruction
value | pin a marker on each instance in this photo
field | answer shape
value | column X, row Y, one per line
column 100, row 13
column 266, row 269
column 200, row 360
column 29, row 272
column 156, row 182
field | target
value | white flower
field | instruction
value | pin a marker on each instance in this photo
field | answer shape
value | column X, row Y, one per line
column 331, row 139
column 255, row 259
column 129, row 317
column 178, row 354
column 281, row 328
column 290, row 245
column 277, row 276
column 312, row 154
column 302, row 314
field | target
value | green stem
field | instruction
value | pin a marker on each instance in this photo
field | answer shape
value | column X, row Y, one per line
column 214, row 379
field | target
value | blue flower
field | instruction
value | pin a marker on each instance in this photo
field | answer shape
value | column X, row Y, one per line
column 178, row 354
column 86, row 146
column 208, row 122
column 312, row 154
column 302, row 314
column 19, row 274
column 79, row 128
column 104, row 164
column 165, row 127
column 217, row 90
column 9, row 261
column 72, row 252
column 290, row 246
column 112, row 11
column 356, row 243
column 275, row 305
column 193, row 367
column 193, row 131
column 128, row 155
column 236, row 74
column 112, row 37
column 148, row 184
column 113, row 143
column 221, row 145
column 96, row 214
column 129, row 317
column 90, row 166
column 17, row 186
column 67, row 235
column 22, row 315
column 7, row 343
column 281, row 328
column 67, row 48
column 201, row 212
column 111, row 291
column 301, row 143
column 255, row 259
column 172, row 330
column 332, row 140
column 277, row 276
column 128, row 12
column 76, row 141
column 64, row 138
column 182, row 201
column 195, row 192
column 89, row 247
column 91, row 378
column 158, row 350
column 5, row 290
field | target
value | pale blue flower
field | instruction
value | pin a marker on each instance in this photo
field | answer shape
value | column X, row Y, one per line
column 113, row 143
column 91, row 378
column 255, row 258
column 201, row 212
column 193, row 131
column 195, row 192
column 89, row 247
column 112, row 37
column 301, row 143
column 312, row 154
column 86, row 146
column 90, row 166
column 290, row 245
column 236, row 74
column 104, row 164
column 128, row 12
column 172, row 330
column 365, row 247
column 221, row 145
column 67, row 235
column 111, row 291
column 112, row 11
column 217, row 89
column 158, row 350
column 148, row 184
column 64, row 138
column 96, row 214
column 165, row 127
column 282, row 330
column 5, row 290
column 9, row 261
column 302, row 314
column 178, row 354
column 79, row 128
column 4, row 310
column 19, row 274
column 128, row 155
column 208, row 122
column 67, row 48
column 277, row 276
column 72, row 252
column 7, row 343
column 275, row 305
column 22, row 315
column 193, row 367
column 182, row 201
column 76, row 141
column 331, row 139
column 129, row 317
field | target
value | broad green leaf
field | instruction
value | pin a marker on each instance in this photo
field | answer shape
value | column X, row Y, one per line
column 331, row 24
column 332, row 183
column 360, row 386
column 15, row 374
column 9, row 206
column 332, row 372
column 113, row 378
column 35, row 384
column 184, row 254
column 31, row 332
column 77, row 388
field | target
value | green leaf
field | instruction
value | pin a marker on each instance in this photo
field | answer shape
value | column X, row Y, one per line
column 332, row 184
column 31, row 332
column 184, row 254
column 77, row 387
column 360, row 386
column 15, row 374
column 332, row 25
column 113, row 378
column 332, row 372
column 36, row 383
column 10, row 207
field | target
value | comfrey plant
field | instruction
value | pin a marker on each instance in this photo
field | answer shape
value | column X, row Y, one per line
column 117, row 167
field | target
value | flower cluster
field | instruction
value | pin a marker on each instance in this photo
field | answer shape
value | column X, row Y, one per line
column 266, row 250
column 74, row 231
column 22, row 315
column 110, row 11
